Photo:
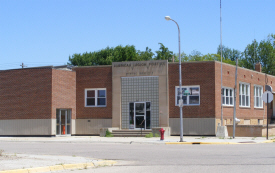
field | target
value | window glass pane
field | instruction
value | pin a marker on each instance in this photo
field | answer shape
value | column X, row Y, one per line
column 240, row 100
column 227, row 100
column 140, row 122
column 131, row 115
column 260, row 91
column 148, row 106
column 140, row 109
column 183, row 90
column 101, row 101
column 90, row 101
column 226, row 92
column 243, row 100
column 68, row 116
column 184, row 98
column 231, row 100
column 194, row 91
column 91, row 93
column 257, row 101
column 178, row 98
column 257, row 91
column 223, row 100
column 246, row 90
column 247, row 101
column 261, row 102
column 148, row 115
column 242, row 89
column 194, row 99
column 101, row 93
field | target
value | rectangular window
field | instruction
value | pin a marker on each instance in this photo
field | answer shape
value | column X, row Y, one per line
column 95, row 97
column 190, row 95
column 258, row 91
column 228, row 97
column 244, row 95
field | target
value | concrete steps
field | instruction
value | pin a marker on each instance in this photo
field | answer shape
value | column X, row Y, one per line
column 130, row 133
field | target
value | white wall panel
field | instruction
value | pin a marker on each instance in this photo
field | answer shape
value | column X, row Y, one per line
column 91, row 126
column 193, row 126
column 26, row 127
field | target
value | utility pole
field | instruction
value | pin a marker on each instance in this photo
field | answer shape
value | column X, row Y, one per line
column 23, row 65
column 221, row 60
column 235, row 93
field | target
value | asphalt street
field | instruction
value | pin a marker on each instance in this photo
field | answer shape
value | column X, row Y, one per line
column 148, row 157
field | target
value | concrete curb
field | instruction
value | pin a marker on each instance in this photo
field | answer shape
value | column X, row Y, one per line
column 269, row 141
column 63, row 167
column 218, row 143
column 202, row 143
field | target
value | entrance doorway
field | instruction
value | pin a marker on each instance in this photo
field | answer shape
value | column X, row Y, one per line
column 63, row 121
column 140, row 115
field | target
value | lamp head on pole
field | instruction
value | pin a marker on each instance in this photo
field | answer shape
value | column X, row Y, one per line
column 167, row 18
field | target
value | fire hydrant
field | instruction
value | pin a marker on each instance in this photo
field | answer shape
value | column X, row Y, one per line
column 161, row 131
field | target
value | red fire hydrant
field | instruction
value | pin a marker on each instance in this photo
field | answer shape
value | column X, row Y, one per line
column 161, row 131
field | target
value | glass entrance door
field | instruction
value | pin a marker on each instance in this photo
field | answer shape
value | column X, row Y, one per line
column 63, row 121
column 140, row 115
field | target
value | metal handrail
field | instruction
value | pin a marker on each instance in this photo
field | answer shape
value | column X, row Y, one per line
column 140, row 125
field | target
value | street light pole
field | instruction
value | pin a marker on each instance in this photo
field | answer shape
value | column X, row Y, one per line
column 180, row 89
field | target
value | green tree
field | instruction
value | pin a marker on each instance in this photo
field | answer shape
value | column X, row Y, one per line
column 164, row 53
column 146, row 55
column 263, row 52
column 228, row 53
column 184, row 58
column 195, row 56
column 266, row 53
column 250, row 55
column 108, row 55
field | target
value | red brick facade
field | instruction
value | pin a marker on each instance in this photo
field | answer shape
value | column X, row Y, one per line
column 247, row 76
column 63, row 91
column 25, row 94
column 36, row 93
column 93, row 77
column 193, row 73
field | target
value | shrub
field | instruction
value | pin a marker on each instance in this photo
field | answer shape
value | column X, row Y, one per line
column 150, row 135
column 109, row 134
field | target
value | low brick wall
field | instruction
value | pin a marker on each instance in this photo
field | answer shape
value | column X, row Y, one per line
column 251, row 130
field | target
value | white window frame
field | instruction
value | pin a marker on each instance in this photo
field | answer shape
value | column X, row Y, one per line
column 96, row 97
column 188, row 96
column 241, row 94
column 229, row 97
column 259, row 97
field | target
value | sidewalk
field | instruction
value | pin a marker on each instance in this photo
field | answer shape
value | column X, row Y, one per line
column 142, row 140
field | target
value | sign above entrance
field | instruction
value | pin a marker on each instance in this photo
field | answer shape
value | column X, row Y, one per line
column 140, row 68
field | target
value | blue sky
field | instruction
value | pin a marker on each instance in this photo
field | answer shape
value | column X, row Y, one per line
column 46, row 32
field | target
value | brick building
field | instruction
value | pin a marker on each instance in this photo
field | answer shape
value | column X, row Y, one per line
column 52, row 101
